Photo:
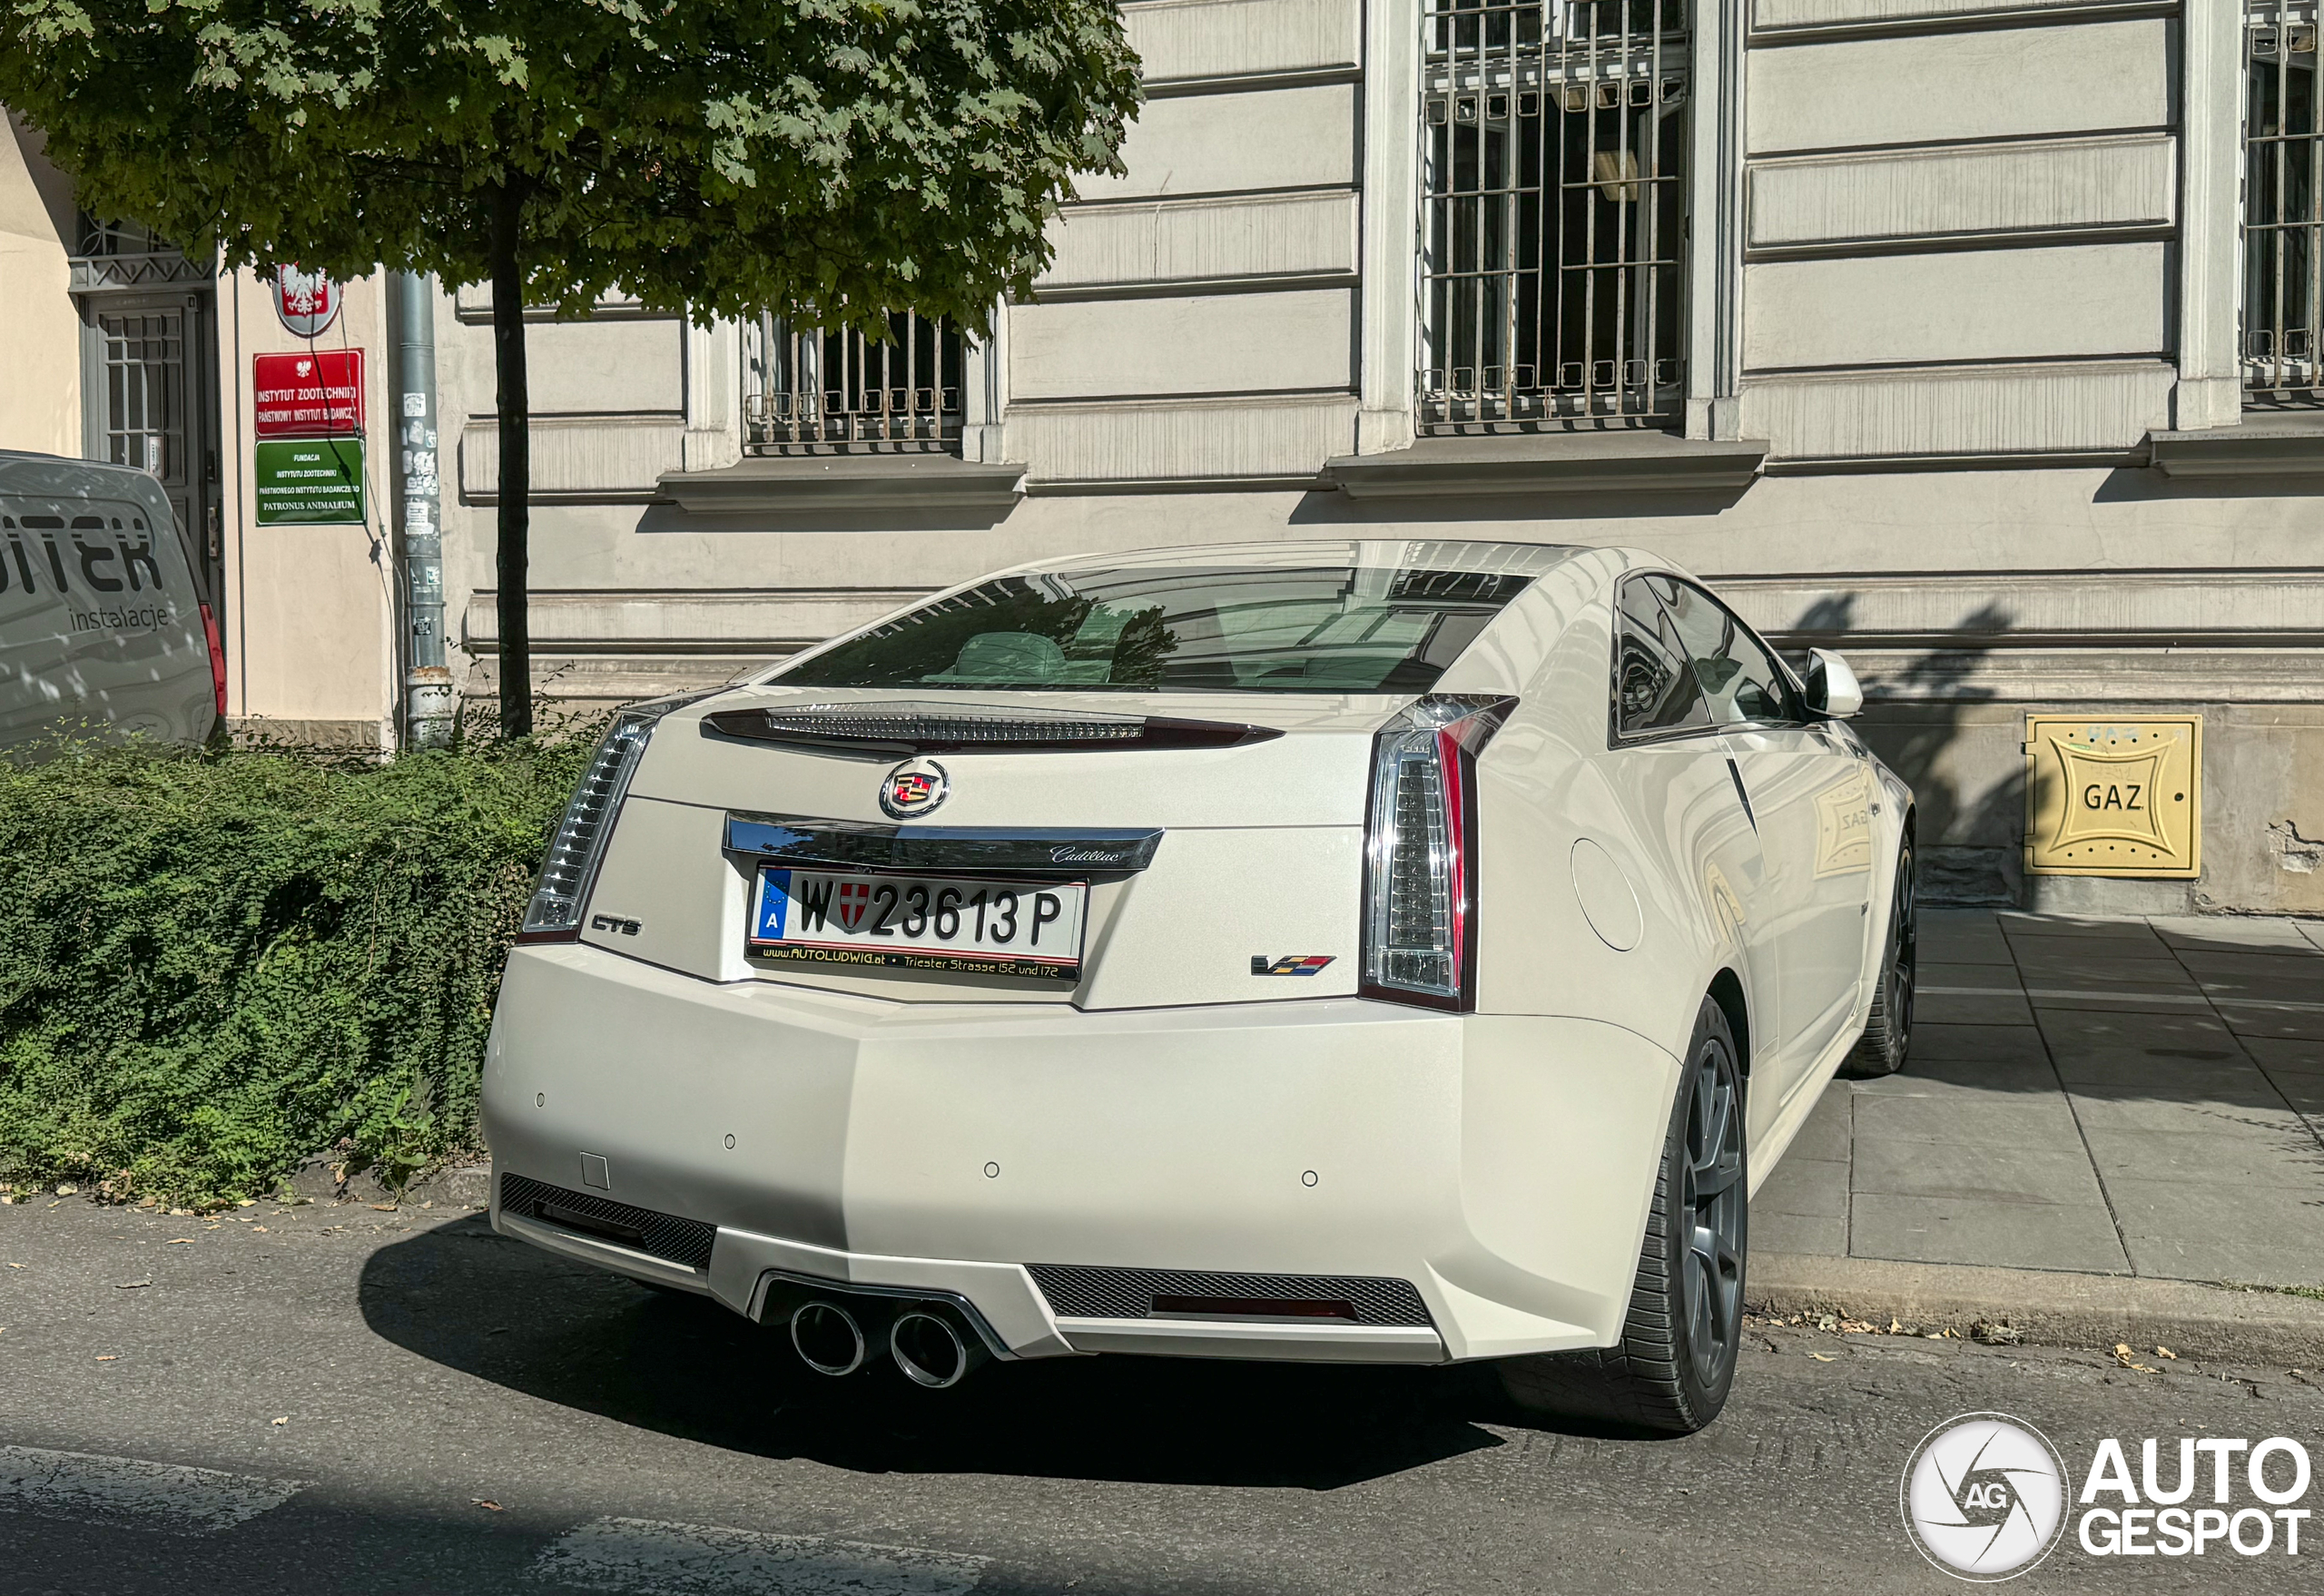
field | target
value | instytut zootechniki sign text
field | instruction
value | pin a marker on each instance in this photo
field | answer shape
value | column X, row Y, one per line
column 311, row 482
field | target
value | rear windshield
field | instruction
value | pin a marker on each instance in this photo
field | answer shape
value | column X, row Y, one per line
column 1336, row 628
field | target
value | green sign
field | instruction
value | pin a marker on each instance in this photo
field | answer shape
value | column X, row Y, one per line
column 310, row 482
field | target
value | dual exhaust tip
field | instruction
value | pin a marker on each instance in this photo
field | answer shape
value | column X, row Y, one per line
column 927, row 1345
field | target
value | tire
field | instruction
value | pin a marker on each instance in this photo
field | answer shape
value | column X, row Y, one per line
column 1675, row 1364
column 1889, row 1032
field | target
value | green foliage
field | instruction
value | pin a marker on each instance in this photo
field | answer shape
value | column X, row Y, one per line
column 211, row 967
column 829, row 159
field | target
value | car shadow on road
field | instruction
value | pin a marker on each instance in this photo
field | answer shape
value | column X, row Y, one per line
column 471, row 1300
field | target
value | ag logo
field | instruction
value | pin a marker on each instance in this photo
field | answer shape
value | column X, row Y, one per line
column 914, row 788
column 1985, row 1496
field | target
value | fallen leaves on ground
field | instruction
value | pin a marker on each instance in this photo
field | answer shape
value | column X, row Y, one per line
column 179, row 1241
column 284, row 1419
column 486, row 1503
column 1823, row 1357
column 2164, row 1352
column 2122, row 1356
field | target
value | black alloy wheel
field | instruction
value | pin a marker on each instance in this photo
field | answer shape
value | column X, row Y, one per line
column 1713, row 1209
column 1888, row 1028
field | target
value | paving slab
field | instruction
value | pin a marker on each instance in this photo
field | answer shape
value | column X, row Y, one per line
column 2028, row 1175
column 1801, row 1235
column 2011, row 1119
column 1815, row 1188
column 2305, row 1093
column 1938, row 1041
column 2001, row 978
column 1964, row 1230
column 2131, row 1074
column 1984, row 1004
column 2247, row 1156
column 1826, row 1133
column 2261, row 1112
column 2290, row 993
column 2076, row 1032
column 2223, row 930
column 2126, row 975
column 2297, row 963
column 2017, row 924
column 1967, row 939
column 1977, row 1076
column 2276, row 1055
column 2260, row 1236
column 2063, row 1067
column 2258, row 1018
column 1991, row 954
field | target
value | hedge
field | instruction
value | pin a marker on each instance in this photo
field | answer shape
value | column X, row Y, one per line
column 212, row 967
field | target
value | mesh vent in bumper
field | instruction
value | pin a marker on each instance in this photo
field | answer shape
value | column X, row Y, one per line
column 665, row 1236
column 1084, row 1291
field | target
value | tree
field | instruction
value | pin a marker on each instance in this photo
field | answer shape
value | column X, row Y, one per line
column 832, row 160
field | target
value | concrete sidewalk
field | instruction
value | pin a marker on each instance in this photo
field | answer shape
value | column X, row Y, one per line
column 2139, row 1098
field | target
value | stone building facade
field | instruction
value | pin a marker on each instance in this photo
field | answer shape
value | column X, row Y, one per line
column 1975, row 337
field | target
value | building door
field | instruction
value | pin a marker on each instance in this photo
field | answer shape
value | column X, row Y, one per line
column 149, row 376
column 155, row 406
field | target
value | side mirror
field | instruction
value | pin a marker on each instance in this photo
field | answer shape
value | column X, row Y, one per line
column 1833, row 690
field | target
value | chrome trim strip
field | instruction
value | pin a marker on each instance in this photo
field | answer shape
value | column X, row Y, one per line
column 1063, row 852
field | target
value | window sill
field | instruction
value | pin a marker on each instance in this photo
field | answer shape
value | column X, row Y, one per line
column 1535, row 463
column 2266, row 444
column 819, row 484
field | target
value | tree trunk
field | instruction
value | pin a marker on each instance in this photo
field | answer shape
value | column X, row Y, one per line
column 516, row 460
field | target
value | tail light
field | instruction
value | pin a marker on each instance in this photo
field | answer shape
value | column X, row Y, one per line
column 217, row 658
column 1420, row 940
column 563, row 891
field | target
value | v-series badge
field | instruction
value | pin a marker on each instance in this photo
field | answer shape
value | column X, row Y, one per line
column 1290, row 964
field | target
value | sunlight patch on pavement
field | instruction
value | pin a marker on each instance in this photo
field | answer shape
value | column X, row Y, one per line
column 130, row 1492
column 702, row 1560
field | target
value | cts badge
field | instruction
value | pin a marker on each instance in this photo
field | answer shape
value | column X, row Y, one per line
column 1290, row 964
column 914, row 788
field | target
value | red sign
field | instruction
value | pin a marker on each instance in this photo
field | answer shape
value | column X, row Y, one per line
column 320, row 395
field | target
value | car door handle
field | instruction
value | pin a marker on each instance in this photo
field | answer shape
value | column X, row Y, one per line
column 1741, row 793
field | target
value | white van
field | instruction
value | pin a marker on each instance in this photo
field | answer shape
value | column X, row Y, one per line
column 102, row 625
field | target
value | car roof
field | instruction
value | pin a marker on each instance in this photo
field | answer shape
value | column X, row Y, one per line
column 1454, row 553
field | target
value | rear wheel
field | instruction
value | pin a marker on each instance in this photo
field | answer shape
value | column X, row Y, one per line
column 1675, row 1362
column 1889, row 1032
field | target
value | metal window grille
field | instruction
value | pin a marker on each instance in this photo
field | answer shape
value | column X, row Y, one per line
column 803, row 386
column 2283, row 222
column 1552, row 138
column 144, row 395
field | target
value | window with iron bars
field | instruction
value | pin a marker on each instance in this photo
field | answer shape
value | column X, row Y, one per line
column 1554, row 135
column 803, row 387
column 2283, row 206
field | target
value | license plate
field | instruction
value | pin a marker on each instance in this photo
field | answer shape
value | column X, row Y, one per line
column 955, row 925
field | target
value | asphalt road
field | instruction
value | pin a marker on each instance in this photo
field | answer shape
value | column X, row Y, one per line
column 406, row 1402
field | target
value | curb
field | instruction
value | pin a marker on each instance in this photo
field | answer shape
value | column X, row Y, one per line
column 2050, row 1307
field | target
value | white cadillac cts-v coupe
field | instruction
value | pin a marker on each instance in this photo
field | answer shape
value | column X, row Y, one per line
column 1362, row 951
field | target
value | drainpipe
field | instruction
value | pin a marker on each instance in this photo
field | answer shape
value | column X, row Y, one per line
column 427, row 679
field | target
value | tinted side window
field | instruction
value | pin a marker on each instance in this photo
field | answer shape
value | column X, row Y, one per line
column 1654, row 688
column 1740, row 678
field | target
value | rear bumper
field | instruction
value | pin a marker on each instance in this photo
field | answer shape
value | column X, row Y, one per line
column 1500, row 1165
